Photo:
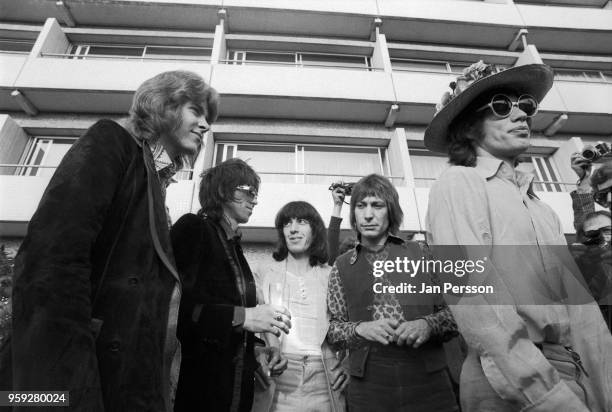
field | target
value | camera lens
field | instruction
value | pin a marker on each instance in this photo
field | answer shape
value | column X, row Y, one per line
column 590, row 153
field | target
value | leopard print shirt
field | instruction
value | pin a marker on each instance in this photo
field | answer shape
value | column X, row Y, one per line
column 342, row 332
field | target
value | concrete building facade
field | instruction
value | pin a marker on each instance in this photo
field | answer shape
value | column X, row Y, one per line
column 313, row 91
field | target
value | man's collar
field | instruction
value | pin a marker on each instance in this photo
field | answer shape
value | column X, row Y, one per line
column 488, row 167
column 163, row 161
column 231, row 232
column 359, row 246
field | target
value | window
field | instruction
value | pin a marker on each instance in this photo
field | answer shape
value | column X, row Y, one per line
column 315, row 164
column 115, row 51
column 46, row 153
column 322, row 165
column 177, row 53
column 16, row 45
column 334, row 60
column 140, row 52
column 274, row 163
column 298, row 59
column 427, row 166
column 243, row 57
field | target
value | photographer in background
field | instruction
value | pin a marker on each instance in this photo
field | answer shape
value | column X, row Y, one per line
column 582, row 197
column 595, row 260
column 588, row 191
column 601, row 183
column 339, row 191
column 594, row 256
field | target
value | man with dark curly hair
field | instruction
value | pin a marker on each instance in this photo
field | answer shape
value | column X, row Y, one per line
column 219, row 315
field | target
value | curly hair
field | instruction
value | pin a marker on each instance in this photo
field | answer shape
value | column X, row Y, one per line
column 379, row 186
column 218, row 186
column 317, row 250
column 157, row 103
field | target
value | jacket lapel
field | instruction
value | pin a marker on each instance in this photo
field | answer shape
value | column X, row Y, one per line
column 158, row 218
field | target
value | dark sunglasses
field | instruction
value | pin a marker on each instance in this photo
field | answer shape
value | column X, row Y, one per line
column 250, row 190
column 594, row 234
column 501, row 105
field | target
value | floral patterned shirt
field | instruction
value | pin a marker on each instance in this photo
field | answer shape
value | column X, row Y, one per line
column 342, row 332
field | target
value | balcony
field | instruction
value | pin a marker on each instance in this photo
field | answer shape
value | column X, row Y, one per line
column 200, row 15
column 57, row 82
column 338, row 18
column 549, row 109
column 418, row 92
column 450, row 22
column 11, row 63
column 589, row 106
column 271, row 90
column 569, row 29
column 21, row 195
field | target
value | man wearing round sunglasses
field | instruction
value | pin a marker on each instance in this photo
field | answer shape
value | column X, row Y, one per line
column 595, row 260
column 219, row 315
column 597, row 228
column 528, row 348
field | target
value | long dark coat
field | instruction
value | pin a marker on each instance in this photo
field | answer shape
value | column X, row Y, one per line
column 102, row 216
column 218, row 360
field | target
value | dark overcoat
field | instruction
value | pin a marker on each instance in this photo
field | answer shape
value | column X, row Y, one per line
column 218, row 361
column 98, row 247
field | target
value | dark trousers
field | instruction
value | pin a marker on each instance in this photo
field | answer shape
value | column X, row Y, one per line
column 395, row 381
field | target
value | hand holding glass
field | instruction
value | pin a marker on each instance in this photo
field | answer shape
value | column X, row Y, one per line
column 279, row 297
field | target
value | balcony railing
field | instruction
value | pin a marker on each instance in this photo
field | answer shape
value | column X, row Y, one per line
column 21, row 169
column 131, row 58
column 539, row 185
column 20, row 53
column 299, row 65
column 28, row 170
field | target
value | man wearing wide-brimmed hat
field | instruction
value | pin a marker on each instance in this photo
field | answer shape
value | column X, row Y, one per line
column 539, row 343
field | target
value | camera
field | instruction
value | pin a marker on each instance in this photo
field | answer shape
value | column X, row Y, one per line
column 596, row 152
column 347, row 186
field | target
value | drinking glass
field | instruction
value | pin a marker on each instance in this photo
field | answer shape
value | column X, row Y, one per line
column 279, row 295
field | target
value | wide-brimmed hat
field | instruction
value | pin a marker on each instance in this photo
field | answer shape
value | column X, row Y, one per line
column 479, row 78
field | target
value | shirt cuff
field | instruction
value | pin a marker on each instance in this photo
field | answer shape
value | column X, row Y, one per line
column 353, row 338
column 442, row 324
column 238, row 320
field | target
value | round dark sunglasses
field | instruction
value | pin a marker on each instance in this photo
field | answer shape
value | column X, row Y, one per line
column 501, row 105
column 250, row 190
